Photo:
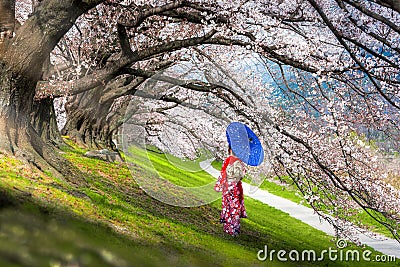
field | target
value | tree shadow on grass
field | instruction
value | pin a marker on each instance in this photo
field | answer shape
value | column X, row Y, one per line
column 35, row 235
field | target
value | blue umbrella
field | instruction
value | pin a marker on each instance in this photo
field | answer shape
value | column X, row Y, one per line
column 245, row 144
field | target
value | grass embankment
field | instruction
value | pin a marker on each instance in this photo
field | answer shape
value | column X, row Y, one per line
column 112, row 222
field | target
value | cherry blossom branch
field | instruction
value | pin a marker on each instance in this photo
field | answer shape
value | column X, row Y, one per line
column 195, row 16
column 362, row 199
column 268, row 51
column 142, row 16
column 373, row 15
column 103, row 76
column 372, row 52
column 192, row 85
column 356, row 60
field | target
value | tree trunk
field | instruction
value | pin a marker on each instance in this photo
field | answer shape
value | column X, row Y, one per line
column 27, row 127
column 88, row 123
column 91, row 122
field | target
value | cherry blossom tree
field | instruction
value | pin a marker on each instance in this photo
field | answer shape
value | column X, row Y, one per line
column 334, row 67
column 318, row 144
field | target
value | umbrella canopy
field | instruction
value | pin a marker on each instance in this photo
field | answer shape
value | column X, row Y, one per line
column 245, row 143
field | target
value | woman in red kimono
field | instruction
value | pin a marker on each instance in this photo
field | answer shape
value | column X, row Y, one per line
column 232, row 195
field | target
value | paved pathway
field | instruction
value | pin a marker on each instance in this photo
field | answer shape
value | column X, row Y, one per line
column 307, row 215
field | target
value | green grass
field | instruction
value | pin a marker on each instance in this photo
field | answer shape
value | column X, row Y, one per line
column 180, row 172
column 113, row 222
column 217, row 164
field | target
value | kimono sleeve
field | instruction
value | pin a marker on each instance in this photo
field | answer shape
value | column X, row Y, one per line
column 222, row 177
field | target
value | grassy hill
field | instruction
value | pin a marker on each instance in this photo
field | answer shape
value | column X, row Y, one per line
column 113, row 222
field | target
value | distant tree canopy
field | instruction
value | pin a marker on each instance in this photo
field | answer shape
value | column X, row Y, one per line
column 333, row 66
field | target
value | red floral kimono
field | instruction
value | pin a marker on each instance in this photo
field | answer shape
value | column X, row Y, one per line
column 232, row 200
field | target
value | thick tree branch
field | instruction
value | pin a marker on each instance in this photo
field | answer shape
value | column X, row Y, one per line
column 120, row 88
column 216, row 89
column 142, row 16
column 124, row 41
column 267, row 51
column 194, row 15
column 103, row 76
